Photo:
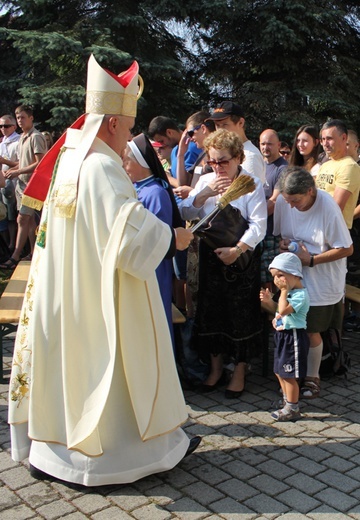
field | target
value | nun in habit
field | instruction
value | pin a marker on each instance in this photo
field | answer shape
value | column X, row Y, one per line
column 142, row 164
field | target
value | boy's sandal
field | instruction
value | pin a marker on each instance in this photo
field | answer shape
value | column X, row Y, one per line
column 10, row 263
column 310, row 388
column 283, row 416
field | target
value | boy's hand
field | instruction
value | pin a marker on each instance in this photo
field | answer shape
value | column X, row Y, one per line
column 277, row 322
column 281, row 283
column 265, row 295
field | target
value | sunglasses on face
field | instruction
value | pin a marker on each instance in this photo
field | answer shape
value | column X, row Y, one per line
column 6, row 126
column 222, row 164
column 190, row 133
column 284, row 152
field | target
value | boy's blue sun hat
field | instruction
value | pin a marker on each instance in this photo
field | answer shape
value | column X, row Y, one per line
column 288, row 263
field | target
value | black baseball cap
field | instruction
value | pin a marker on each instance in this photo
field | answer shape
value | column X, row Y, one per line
column 226, row 109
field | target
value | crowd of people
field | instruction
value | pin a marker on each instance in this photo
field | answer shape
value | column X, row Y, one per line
column 308, row 194
column 198, row 217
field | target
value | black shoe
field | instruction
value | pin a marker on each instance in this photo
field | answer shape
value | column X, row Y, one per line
column 194, row 443
column 231, row 394
column 205, row 389
column 40, row 475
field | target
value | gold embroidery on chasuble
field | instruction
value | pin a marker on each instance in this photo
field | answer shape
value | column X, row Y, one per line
column 20, row 375
column 65, row 197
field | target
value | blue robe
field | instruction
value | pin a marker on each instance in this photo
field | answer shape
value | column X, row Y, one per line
column 156, row 199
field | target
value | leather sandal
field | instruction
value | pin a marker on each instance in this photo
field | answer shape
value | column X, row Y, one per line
column 10, row 264
column 310, row 388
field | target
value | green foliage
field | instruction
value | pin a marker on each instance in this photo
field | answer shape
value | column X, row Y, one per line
column 287, row 63
column 45, row 46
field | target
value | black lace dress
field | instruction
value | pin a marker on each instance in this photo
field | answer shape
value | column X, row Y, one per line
column 228, row 317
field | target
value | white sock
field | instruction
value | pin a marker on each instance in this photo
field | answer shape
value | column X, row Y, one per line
column 291, row 406
column 314, row 360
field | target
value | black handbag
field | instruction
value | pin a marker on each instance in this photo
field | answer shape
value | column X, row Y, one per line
column 225, row 229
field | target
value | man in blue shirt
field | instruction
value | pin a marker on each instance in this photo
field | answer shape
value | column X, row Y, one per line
column 165, row 131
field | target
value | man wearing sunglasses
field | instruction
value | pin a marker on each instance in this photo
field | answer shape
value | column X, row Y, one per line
column 8, row 146
column 197, row 129
column 8, row 159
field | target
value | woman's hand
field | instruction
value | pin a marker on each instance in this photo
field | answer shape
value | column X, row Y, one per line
column 216, row 187
column 219, row 185
column 283, row 245
column 228, row 255
column 302, row 252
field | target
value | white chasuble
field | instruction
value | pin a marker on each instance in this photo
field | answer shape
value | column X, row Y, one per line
column 93, row 327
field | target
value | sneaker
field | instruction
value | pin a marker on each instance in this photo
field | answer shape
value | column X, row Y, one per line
column 285, row 415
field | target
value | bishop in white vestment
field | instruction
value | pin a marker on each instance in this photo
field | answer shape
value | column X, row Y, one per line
column 94, row 393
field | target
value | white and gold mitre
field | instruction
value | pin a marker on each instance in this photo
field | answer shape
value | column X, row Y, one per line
column 107, row 93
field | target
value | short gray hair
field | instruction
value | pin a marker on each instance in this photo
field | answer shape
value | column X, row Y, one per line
column 10, row 118
column 337, row 123
column 295, row 180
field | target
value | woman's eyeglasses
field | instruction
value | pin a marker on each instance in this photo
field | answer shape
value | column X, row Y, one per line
column 224, row 163
column 190, row 133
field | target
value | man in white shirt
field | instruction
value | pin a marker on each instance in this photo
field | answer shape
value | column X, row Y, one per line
column 8, row 146
column 8, row 159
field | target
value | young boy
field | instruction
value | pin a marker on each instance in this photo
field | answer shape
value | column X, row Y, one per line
column 291, row 340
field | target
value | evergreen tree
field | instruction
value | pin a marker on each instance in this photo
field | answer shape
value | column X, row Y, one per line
column 287, row 63
column 45, row 45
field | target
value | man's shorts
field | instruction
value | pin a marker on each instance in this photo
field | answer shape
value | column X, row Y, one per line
column 290, row 353
column 25, row 210
column 324, row 317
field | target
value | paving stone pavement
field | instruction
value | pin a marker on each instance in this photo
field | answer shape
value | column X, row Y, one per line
column 247, row 466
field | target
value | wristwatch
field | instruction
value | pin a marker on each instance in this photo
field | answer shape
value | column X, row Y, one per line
column 238, row 250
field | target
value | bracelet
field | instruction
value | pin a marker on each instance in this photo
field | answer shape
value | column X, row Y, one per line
column 311, row 264
column 238, row 250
